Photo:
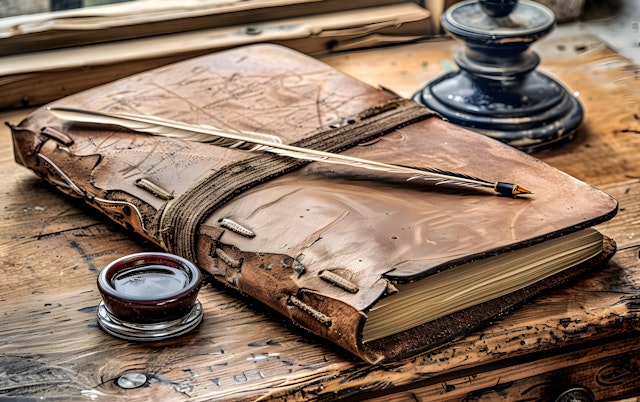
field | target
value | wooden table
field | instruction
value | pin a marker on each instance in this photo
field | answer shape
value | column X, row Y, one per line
column 580, row 337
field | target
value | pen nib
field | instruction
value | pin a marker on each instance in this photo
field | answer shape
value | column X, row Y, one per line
column 510, row 189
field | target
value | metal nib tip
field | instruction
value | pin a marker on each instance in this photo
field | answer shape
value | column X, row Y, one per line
column 520, row 190
column 510, row 189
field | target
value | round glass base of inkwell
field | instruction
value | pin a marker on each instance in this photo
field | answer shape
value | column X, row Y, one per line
column 149, row 297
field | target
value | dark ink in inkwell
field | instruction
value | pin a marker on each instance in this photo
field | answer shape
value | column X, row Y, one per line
column 149, row 296
column 150, row 281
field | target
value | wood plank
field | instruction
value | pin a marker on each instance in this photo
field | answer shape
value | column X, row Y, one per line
column 598, row 372
column 130, row 20
column 26, row 81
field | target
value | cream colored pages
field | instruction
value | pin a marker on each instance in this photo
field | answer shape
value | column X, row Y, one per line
column 476, row 282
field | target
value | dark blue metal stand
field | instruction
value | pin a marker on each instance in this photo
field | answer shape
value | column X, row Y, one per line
column 497, row 90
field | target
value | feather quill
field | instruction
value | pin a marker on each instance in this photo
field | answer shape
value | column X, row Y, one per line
column 251, row 141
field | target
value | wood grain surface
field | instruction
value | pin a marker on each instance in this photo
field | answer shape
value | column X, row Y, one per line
column 581, row 336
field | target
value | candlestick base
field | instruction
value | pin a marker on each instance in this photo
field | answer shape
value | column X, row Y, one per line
column 497, row 90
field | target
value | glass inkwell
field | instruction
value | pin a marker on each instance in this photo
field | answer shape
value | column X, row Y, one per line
column 149, row 296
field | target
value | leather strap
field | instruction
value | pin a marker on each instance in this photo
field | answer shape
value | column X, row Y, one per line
column 182, row 216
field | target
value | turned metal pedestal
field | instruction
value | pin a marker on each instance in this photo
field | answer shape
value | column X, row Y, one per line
column 497, row 90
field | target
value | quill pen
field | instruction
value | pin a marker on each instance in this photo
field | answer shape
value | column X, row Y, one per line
column 251, row 141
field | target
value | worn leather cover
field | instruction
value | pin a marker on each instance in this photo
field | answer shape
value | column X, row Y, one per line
column 318, row 243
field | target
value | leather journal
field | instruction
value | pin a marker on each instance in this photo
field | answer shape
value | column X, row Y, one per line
column 382, row 266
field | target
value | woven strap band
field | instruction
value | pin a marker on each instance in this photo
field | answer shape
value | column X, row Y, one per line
column 181, row 218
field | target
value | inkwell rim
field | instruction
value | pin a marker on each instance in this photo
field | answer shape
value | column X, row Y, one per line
column 148, row 258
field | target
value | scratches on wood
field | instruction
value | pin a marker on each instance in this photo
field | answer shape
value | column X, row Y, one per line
column 28, row 376
column 80, row 230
